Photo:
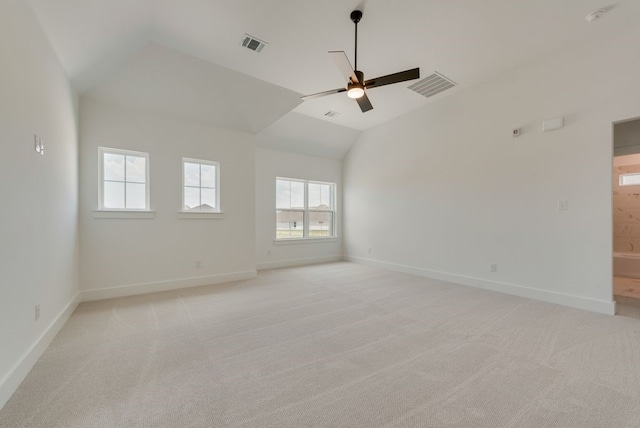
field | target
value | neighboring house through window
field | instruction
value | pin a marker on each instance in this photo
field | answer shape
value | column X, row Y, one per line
column 124, row 180
column 305, row 209
column 200, row 185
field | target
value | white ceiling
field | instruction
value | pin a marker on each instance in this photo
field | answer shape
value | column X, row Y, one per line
column 169, row 82
column 466, row 40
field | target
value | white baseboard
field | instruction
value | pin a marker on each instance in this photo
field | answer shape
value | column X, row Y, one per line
column 16, row 375
column 298, row 262
column 153, row 287
column 599, row 306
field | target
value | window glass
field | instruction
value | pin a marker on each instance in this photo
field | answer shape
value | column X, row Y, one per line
column 320, row 224
column 290, row 224
column 113, row 195
column 320, row 196
column 191, row 174
column 136, row 169
column 123, row 181
column 113, row 167
column 200, row 185
column 304, row 209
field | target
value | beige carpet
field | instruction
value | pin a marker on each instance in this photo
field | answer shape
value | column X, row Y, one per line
column 336, row 345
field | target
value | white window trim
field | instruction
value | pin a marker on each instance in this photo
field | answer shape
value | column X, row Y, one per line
column 288, row 241
column 306, row 211
column 112, row 211
column 201, row 215
column 123, row 214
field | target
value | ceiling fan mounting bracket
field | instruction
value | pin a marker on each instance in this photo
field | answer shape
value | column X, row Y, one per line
column 356, row 16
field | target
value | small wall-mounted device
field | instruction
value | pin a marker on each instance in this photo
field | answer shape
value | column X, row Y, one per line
column 515, row 132
column 39, row 145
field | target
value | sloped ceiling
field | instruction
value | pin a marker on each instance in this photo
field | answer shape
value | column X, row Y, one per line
column 466, row 40
column 166, row 81
column 298, row 133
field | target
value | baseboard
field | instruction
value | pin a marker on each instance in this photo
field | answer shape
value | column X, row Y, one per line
column 298, row 262
column 599, row 306
column 14, row 378
column 153, row 287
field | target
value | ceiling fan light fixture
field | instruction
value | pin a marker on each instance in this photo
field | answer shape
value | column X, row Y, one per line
column 355, row 91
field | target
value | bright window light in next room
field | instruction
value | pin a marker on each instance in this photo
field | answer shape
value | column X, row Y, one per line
column 631, row 179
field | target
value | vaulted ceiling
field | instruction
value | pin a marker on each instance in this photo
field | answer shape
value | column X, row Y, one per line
column 111, row 48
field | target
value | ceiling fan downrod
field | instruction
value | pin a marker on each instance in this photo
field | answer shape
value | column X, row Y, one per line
column 356, row 16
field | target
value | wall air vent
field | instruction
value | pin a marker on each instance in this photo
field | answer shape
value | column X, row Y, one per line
column 432, row 85
column 332, row 113
column 253, row 43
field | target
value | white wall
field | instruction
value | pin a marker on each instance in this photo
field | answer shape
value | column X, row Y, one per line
column 269, row 165
column 38, row 222
column 446, row 191
column 130, row 256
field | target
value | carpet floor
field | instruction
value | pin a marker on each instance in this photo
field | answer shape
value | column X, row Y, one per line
column 333, row 345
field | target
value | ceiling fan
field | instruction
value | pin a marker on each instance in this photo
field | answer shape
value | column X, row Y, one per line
column 356, row 84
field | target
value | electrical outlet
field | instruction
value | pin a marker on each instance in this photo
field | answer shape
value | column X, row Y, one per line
column 493, row 267
column 37, row 311
column 198, row 264
column 563, row 205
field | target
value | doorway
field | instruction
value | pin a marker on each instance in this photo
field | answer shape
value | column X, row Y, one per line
column 626, row 212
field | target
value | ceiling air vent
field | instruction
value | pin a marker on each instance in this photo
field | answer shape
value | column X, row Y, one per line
column 432, row 85
column 252, row 43
column 332, row 113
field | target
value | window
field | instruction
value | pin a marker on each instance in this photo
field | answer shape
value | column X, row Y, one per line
column 124, row 180
column 200, row 185
column 630, row 179
column 304, row 209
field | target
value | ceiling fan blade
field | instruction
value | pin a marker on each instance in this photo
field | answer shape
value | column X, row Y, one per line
column 364, row 103
column 322, row 94
column 393, row 78
column 342, row 62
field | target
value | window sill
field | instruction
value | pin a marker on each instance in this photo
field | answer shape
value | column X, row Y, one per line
column 194, row 215
column 304, row 240
column 124, row 214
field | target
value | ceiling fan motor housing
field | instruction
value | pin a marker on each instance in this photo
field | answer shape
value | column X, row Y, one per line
column 360, row 76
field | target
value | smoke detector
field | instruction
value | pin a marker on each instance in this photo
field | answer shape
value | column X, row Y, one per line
column 595, row 15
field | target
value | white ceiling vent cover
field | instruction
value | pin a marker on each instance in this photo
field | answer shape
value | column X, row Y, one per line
column 432, row 85
column 253, row 43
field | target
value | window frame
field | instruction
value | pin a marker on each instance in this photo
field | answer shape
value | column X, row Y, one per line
column 622, row 176
column 306, row 212
column 216, row 164
column 108, row 150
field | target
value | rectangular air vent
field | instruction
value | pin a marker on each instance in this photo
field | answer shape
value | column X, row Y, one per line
column 332, row 113
column 432, row 85
column 253, row 43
